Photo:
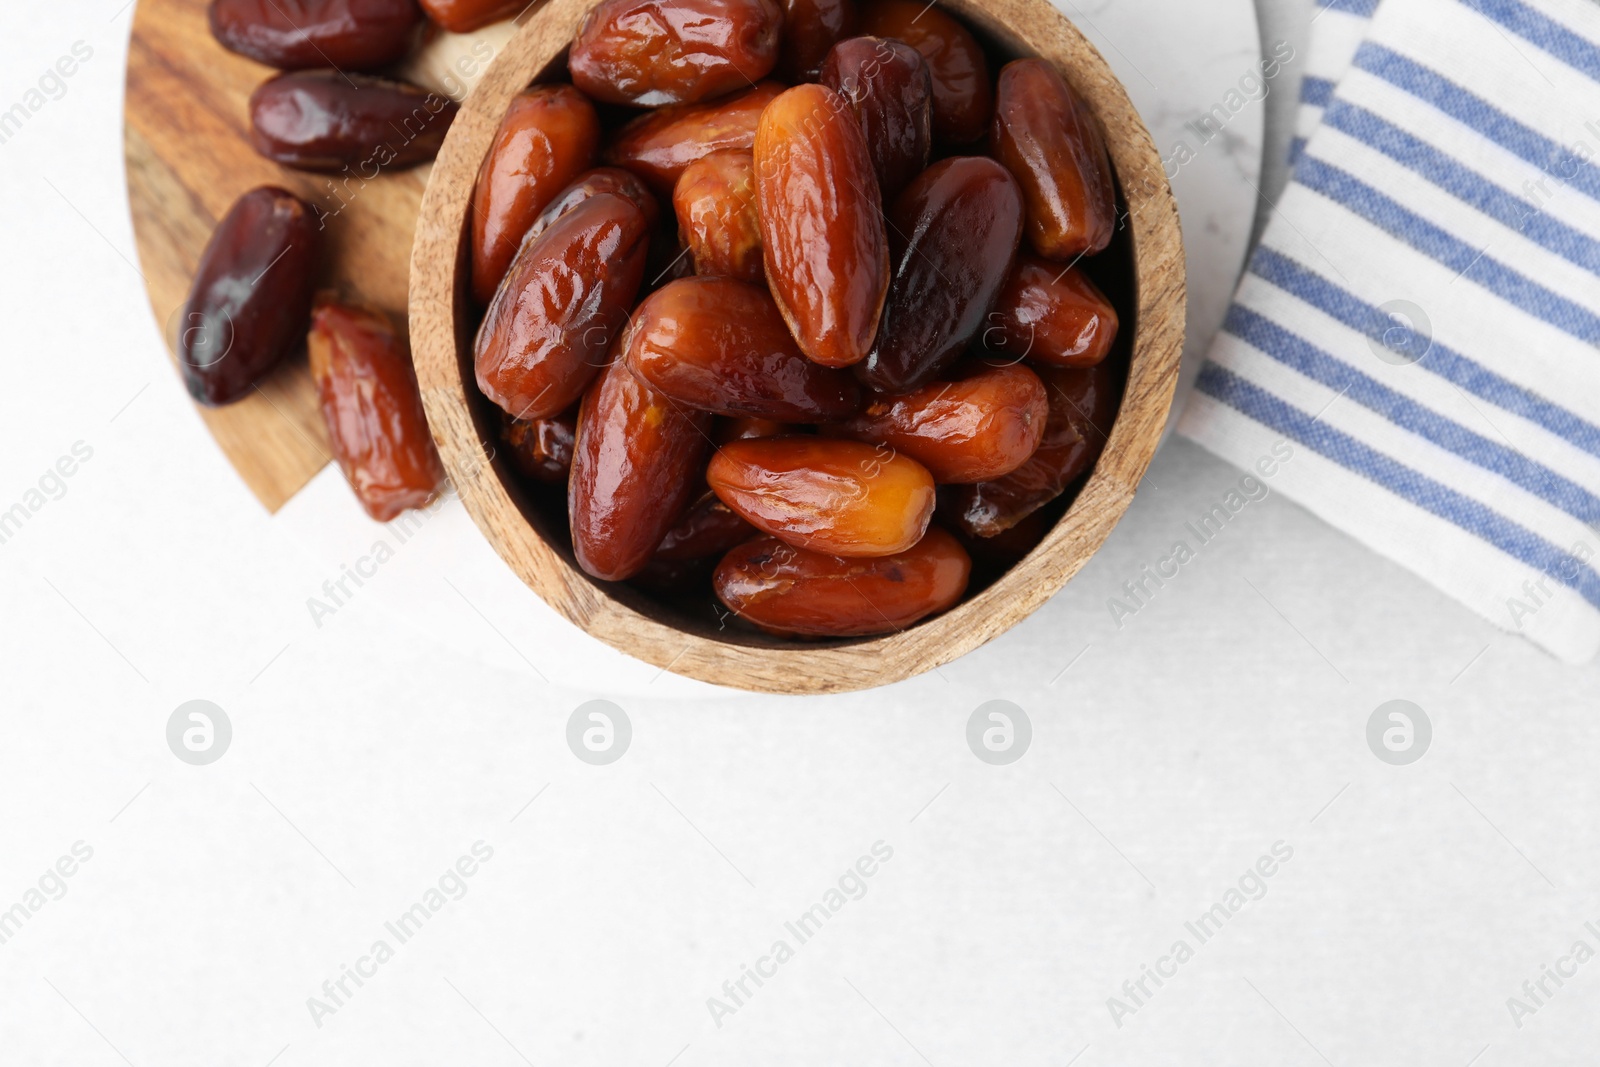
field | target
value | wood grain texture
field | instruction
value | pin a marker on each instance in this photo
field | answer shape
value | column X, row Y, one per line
column 441, row 321
column 186, row 141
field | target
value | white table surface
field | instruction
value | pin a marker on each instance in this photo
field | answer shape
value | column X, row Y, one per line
column 372, row 752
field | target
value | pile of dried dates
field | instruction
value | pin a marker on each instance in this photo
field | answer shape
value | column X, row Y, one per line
column 794, row 300
column 253, row 300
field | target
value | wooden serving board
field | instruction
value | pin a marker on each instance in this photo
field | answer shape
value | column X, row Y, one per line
column 187, row 143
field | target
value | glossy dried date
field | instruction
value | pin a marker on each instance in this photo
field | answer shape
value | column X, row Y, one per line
column 369, row 399
column 322, row 120
column 561, row 306
column 635, row 467
column 653, row 52
column 888, row 87
column 980, row 426
column 541, row 449
column 960, row 221
column 659, row 145
column 1051, row 316
column 708, row 528
column 1052, row 143
column 715, row 201
column 592, row 183
column 1083, row 406
column 464, row 16
column 810, row 29
column 787, row 590
column 827, row 258
column 251, row 296
column 296, row 34
column 962, row 97
column 548, row 137
column 719, row 344
column 844, row 498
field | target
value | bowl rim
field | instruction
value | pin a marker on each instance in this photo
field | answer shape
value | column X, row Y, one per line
column 438, row 304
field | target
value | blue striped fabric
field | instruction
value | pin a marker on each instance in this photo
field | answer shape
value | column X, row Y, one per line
column 1422, row 318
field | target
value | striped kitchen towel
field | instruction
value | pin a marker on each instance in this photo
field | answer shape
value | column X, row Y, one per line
column 1421, row 320
column 1337, row 29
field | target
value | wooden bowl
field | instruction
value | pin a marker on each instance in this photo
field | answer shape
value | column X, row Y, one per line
column 443, row 320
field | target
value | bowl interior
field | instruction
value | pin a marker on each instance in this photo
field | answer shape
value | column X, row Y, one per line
column 527, row 521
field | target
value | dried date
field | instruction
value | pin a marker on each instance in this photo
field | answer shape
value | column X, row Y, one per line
column 980, row 426
column 548, row 137
column 592, row 183
column 715, row 201
column 843, row 498
column 653, row 52
column 1047, row 137
column 810, row 29
column 251, row 297
column 827, row 257
column 719, row 344
column 888, row 86
column 658, row 146
column 541, row 449
column 561, row 307
column 635, row 467
column 1051, row 315
column 962, row 96
column 787, row 590
column 464, row 16
column 368, row 394
column 960, row 222
column 322, row 120
column 1083, row 406
column 708, row 528
column 355, row 35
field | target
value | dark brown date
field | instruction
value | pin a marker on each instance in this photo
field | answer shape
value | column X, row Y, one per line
column 561, row 307
column 322, row 120
column 1052, row 143
column 715, row 202
column 659, row 145
column 653, row 52
column 708, row 528
column 296, row 34
column 960, row 221
column 591, row 183
column 962, row 97
column 719, row 344
column 998, row 554
column 251, row 297
column 464, row 16
column 888, row 86
column 547, row 138
column 827, row 257
column 1051, row 315
column 369, row 399
column 541, row 449
column 844, row 498
column 1083, row 406
column 984, row 424
column 787, row 590
column 635, row 468
column 810, row 28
